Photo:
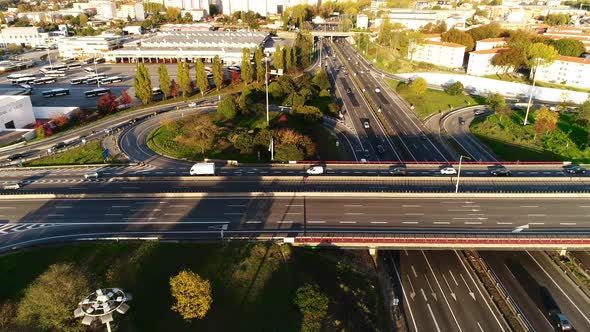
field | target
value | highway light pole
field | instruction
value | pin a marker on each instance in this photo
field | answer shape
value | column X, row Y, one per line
column 266, row 83
column 528, row 107
column 101, row 305
column 459, row 172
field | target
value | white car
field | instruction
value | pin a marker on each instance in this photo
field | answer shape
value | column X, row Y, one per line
column 315, row 170
column 377, row 90
column 91, row 175
column 448, row 171
column 12, row 186
column 192, row 104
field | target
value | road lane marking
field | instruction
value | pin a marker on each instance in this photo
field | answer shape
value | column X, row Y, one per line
column 173, row 214
column 352, row 205
column 177, row 206
column 293, row 204
column 316, row 222
column 414, row 214
column 7, row 207
column 284, row 221
column 463, row 210
column 378, row 222
column 293, row 212
column 410, row 206
column 409, row 222
column 568, row 223
column 472, row 223
column 253, row 222
column 529, row 206
column 414, row 271
column 503, row 223
column 434, row 318
column 348, row 222
column 354, row 213
column 536, row 215
column 441, row 222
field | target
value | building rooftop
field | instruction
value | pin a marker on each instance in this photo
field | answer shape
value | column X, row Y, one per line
column 493, row 40
column 202, row 38
column 444, row 44
column 490, row 51
column 573, row 59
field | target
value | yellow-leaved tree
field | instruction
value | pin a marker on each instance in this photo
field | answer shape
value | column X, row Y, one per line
column 192, row 294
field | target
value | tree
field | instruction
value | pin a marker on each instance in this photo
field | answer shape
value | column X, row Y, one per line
column 313, row 305
column 288, row 59
column 459, row 37
column 545, row 120
column 512, row 58
column 200, row 132
column 320, row 79
column 125, row 98
column 557, row 19
column 184, row 79
column 418, row 86
column 107, row 103
column 568, row 46
column 496, row 102
column 258, row 63
column 303, row 43
column 83, row 20
column 173, row 15
column 188, row 18
column 192, row 295
column 228, row 107
column 217, row 72
column 455, row 89
column 491, row 30
column 202, row 80
column 309, row 114
column 584, row 113
column 142, row 84
column 49, row 301
column 246, row 66
column 539, row 54
column 278, row 58
column 288, row 152
column 505, row 111
column 439, row 27
column 173, row 89
column 164, row 80
column 14, row 48
column 59, row 119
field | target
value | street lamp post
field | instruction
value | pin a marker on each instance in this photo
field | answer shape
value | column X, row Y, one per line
column 101, row 305
column 96, row 72
column 266, row 83
column 528, row 107
column 459, row 172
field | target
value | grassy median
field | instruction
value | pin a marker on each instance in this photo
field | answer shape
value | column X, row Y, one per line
column 90, row 153
column 253, row 284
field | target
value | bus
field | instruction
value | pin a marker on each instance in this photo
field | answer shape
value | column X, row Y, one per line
column 55, row 93
column 23, row 80
column 97, row 92
column 55, row 73
column 45, row 69
column 74, row 65
column 111, row 79
column 44, row 80
column 77, row 80
column 89, row 69
column 88, row 61
column 15, row 76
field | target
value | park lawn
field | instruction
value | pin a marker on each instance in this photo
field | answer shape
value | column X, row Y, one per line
column 514, row 142
column 253, row 284
column 433, row 100
column 90, row 153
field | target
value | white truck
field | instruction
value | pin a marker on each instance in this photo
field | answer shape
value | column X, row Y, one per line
column 203, row 169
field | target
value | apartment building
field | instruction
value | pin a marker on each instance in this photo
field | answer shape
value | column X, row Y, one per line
column 480, row 62
column 566, row 70
column 442, row 54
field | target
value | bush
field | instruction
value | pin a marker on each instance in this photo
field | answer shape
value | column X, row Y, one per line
column 288, row 152
column 309, row 114
column 228, row 107
column 418, row 86
column 455, row 89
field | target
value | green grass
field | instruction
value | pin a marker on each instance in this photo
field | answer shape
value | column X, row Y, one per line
column 433, row 100
column 90, row 153
column 252, row 285
column 512, row 141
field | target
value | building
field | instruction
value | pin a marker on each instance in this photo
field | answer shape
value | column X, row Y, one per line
column 16, row 112
column 480, row 62
column 88, row 47
column 186, row 27
column 489, row 43
column 566, row 70
column 197, row 14
column 29, row 36
column 442, row 54
column 131, row 10
column 104, row 9
column 38, row 17
column 362, row 21
column 579, row 33
column 189, row 46
column 415, row 19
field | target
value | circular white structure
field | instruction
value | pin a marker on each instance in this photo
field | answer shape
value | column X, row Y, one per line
column 101, row 304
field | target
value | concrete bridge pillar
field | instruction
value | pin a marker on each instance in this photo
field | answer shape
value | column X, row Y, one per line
column 373, row 252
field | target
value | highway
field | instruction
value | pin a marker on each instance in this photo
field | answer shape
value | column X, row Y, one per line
column 537, row 287
column 463, row 137
column 441, row 293
column 412, row 135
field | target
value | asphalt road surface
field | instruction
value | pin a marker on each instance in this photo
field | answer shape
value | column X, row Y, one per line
column 441, row 293
column 460, row 133
column 538, row 287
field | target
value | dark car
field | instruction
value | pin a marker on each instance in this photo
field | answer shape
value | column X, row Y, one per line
column 500, row 171
column 461, row 121
column 15, row 156
column 559, row 321
column 397, row 170
column 59, row 145
column 575, row 169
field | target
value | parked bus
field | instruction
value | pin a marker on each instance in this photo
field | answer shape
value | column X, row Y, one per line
column 44, row 80
column 111, row 79
column 45, row 69
column 99, row 60
column 15, row 76
column 74, row 65
column 97, row 92
column 55, row 73
column 77, row 80
column 23, row 80
column 89, row 69
column 55, row 93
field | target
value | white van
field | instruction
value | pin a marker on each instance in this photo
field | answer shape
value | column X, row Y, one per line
column 203, row 169
column 315, row 170
column 11, row 186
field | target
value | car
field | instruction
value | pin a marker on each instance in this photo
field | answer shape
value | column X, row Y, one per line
column 11, row 186
column 461, row 121
column 500, row 171
column 363, row 160
column 366, row 124
column 575, row 169
column 315, row 170
column 192, row 104
column 559, row 321
column 377, row 90
column 397, row 170
column 448, row 170
column 15, row 156
column 479, row 112
column 348, row 91
column 91, row 175
column 380, row 149
column 59, row 145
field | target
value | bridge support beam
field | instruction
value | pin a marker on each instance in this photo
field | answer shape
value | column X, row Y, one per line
column 373, row 252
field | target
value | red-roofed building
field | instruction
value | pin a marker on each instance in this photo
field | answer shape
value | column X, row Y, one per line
column 567, row 70
column 439, row 53
column 480, row 62
column 489, row 43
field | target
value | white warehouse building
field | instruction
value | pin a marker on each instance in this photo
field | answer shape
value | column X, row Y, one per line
column 16, row 112
column 89, row 46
